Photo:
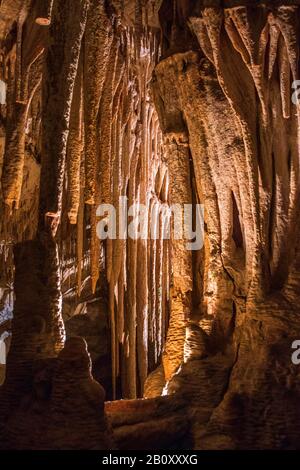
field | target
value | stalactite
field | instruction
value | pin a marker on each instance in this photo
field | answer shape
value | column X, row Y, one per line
column 18, row 69
column 98, row 41
column 138, row 23
column 95, row 250
column 33, row 67
column 114, row 261
column 113, row 339
column 174, row 24
column 154, row 211
column 75, row 149
column 286, row 18
column 59, row 78
column 165, row 292
column 15, row 146
column 214, row 23
column 142, row 266
column 80, row 229
column 159, row 285
column 142, row 309
column 285, row 77
column 121, row 307
column 34, row 42
column 255, row 41
column 113, row 74
column 131, row 364
column 43, row 16
column 10, row 91
column 274, row 37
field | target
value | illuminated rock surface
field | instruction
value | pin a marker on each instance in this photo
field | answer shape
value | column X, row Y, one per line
column 165, row 102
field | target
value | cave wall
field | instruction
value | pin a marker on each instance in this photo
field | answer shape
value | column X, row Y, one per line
column 165, row 102
column 233, row 91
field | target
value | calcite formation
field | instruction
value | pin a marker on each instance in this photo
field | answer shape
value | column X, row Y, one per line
column 161, row 103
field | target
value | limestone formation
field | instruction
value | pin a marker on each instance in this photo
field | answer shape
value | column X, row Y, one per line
column 109, row 107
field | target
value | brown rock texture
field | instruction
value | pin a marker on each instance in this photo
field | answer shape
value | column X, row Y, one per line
column 234, row 96
column 44, row 419
column 160, row 104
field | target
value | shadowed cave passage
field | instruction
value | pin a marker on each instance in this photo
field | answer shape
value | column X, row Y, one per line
column 140, row 341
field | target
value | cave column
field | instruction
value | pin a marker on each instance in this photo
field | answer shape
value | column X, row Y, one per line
column 180, row 193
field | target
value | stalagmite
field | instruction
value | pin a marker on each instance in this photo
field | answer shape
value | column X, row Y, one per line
column 40, row 335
